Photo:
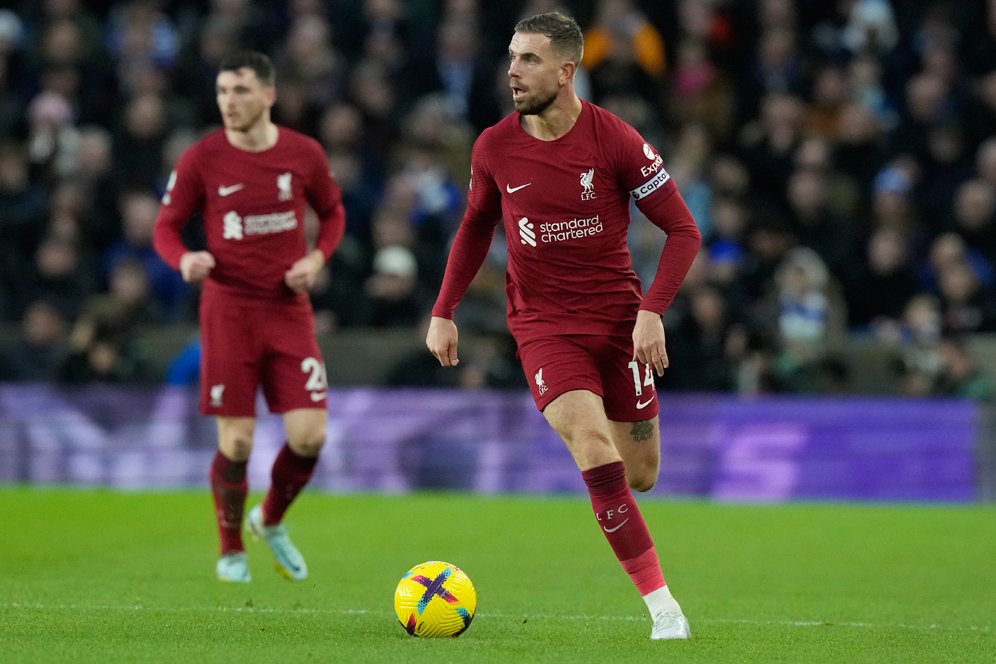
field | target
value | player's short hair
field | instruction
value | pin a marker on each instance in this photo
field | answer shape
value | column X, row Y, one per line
column 565, row 35
column 258, row 62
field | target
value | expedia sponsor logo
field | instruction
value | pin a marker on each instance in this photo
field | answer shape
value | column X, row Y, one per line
column 561, row 231
column 652, row 168
column 651, row 185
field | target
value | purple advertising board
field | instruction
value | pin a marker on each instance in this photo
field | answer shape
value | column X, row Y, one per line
column 720, row 447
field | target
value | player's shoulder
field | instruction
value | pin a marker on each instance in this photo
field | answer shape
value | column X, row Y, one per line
column 212, row 142
column 296, row 140
column 501, row 132
column 604, row 119
column 210, row 146
column 300, row 147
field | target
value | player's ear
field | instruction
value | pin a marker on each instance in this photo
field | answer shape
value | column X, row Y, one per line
column 270, row 95
column 567, row 71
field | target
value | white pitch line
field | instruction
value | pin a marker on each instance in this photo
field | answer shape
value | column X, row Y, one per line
column 500, row 616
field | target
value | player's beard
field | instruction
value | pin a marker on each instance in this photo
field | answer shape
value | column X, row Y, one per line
column 534, row 107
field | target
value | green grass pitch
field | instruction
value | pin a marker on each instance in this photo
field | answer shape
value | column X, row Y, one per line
column 99, row 576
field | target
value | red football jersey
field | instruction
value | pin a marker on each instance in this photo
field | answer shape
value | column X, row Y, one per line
column 565, row 206
column 254, row 205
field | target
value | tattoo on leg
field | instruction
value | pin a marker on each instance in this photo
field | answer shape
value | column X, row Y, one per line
column 641, row 431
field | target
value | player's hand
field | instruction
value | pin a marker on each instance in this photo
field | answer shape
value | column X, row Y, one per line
column 648, row 341
column 442, row 341
column 195, row 266
column 302, row 274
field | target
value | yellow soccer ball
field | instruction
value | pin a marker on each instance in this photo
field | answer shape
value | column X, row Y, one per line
column 435, row 599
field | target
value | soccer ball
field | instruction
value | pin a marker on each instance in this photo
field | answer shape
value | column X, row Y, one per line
column 435, row 599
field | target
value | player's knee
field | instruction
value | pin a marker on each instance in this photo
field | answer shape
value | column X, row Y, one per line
column 592, row 448
column 642, row 482
column 641, row 477
column 237, row 448
column 309, row 445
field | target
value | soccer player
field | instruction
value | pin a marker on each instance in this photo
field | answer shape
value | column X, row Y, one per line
column 252, row 181
column 559, row 173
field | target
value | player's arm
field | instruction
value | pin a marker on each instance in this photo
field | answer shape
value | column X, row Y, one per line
column 470, row 248
column 325, row 198
column 184, row 194
column 667, row 211
column 641, row 171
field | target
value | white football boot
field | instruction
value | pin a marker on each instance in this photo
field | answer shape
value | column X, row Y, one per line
column 233, row 568
column 289, row 561
column 670, row 625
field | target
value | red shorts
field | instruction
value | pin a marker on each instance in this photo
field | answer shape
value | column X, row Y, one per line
column 600, row 364
column 248, row 344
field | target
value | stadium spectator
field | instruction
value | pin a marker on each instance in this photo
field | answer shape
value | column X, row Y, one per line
column 93, row 171
column 392, row 290
column 624, row 51
column 975, row 216
column 253, row 182
column 966, row 306
column 57, row 275
column 104, row 344
column 23, row 204
column 885, row 282
column 138, row 208
column 816, row 222
column 985, row 160
column 587, row 340
column 914, row 341
column 309, row 60
column 768, row 145
column 704, row 336
column 37, row 353
column 811, row 319
column 140, row 139
column 960, row 374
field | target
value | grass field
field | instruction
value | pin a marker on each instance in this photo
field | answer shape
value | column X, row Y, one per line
column 95, row 576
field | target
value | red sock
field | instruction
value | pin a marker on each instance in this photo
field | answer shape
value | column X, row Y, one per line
column 229, row 488
column 622, row 524
column 290, row 473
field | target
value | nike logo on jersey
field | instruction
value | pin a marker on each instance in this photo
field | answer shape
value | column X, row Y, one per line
column 510, row 189
column 318, row 396
column 640, row 405
column 229, row 190
column 615, row 528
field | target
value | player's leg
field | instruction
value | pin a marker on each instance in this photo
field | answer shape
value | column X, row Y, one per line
column 566, row 383
column 639, row 446
column 229, row 488
column 295, row 463
column 291, row 471
column 294, row 383
column 579, row 419
column 228, row 392
column 631, row 405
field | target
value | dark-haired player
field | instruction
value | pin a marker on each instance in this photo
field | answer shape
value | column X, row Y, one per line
column 560, row 174
column 252, row 182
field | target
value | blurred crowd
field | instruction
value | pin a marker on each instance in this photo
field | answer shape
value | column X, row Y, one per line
column 839, row 158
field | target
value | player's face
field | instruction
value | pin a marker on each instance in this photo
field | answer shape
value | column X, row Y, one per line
column 535, row 73
column 242, row 99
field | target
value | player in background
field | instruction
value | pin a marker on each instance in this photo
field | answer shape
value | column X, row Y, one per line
column 559, row 173
column 252, row 182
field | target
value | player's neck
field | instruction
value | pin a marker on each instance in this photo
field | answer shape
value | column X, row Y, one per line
column 261, row 136
column 555, row 121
